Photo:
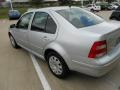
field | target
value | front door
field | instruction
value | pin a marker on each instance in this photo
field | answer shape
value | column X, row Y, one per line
column 21, row 33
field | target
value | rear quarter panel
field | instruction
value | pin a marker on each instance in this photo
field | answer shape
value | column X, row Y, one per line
column 75, row 44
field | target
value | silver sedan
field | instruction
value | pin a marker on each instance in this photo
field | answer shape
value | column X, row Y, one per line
column 68, row 38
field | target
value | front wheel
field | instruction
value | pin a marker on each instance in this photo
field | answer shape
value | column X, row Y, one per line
column 57, row 65
column 13, row 42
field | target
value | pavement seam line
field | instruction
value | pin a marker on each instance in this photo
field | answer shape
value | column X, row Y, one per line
column 40, row 74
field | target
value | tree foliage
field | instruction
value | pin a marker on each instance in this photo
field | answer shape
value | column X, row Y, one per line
column 36, row 2
column 109, row 1
column 64, row 2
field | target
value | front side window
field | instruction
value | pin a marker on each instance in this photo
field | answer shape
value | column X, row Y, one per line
column 23, row 23
column 80, row 18
column 39, row 21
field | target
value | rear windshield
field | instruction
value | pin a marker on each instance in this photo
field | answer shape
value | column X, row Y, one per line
column 80, row 18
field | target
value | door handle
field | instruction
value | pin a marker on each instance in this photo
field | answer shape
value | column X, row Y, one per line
column 45, row 37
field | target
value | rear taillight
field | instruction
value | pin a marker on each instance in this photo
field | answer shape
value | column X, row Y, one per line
column 98, row 49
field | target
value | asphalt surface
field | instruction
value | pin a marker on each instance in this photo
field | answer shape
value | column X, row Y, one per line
column 17, row 71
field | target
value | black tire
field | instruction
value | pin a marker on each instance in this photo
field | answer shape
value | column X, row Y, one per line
column 13, row 42
column 113, row 18
column 65, row 70
column 92, row 10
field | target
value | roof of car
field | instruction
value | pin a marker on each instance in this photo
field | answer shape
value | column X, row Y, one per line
column 53, row 8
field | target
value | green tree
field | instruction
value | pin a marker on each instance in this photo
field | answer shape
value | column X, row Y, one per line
column 109, row 1
column 65, row 2
column 36, row 3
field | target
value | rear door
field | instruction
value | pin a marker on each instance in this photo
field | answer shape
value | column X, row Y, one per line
column 43, row 31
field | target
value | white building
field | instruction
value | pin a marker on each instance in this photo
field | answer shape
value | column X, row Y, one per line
column 20, row 1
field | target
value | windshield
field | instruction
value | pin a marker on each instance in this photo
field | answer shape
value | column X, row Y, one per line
column 80, row 18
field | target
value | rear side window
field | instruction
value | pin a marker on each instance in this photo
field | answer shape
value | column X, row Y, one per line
column 50, row 25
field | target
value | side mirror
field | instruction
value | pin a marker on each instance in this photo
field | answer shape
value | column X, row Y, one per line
column 12, row 26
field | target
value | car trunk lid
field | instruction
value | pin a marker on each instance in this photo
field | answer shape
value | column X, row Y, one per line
column 108, row 31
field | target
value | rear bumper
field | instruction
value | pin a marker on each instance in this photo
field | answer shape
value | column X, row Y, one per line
column 94, row 70
column 100, row 66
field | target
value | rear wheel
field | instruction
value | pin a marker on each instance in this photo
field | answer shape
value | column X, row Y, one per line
column 13, row 42
column 57, row 65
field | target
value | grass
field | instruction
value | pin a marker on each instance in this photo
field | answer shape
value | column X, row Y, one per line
column 4, row 12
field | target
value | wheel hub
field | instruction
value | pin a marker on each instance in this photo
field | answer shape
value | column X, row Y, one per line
column 55, row 65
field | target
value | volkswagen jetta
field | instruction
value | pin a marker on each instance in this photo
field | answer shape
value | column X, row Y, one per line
column 68, row 38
